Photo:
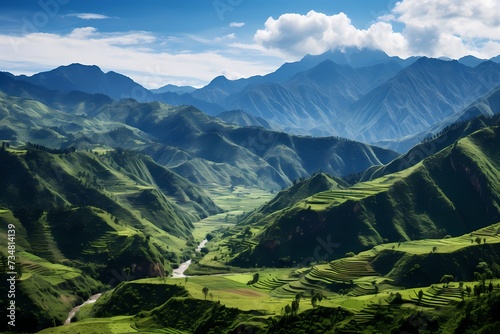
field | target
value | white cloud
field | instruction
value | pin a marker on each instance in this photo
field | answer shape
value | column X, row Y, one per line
column 316, row 33
column 226, row 37
column 90, row 16
column 132, row 53
column 449, row 27
column 452, row 28
column 236, row 24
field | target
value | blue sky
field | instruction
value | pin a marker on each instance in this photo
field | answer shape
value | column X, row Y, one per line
column 192, row 41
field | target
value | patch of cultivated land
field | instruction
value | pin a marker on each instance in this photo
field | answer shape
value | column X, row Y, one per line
column 359, row 191
column 490, row 234
column 236, row 200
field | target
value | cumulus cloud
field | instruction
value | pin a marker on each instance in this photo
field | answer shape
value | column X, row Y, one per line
column 451, row 28
column 134, row 53
column 90, row 16
column 317, row 32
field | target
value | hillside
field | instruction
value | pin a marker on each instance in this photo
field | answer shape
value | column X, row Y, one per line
column 308, row 101
column 421, row 95
column 129, row 187
column 299, row 191
column 84, row 219
column 74, row 102
column 204, row 149
column 452, row 192
column 242, row 118
column 436, row 143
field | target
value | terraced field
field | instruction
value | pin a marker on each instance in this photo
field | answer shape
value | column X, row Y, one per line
column 342, row 270
column 43, row 243
column 270, row 284
column 437, row 296
column 357, row 192
column 52, row 273
column 446, row 245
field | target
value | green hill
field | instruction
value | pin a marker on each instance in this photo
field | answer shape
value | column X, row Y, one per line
column 205, row 149
column 452, row 192
column 83, row 218
column 301, row 190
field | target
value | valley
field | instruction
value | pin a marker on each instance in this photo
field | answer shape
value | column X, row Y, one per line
column 257, row 205
column 362, row 291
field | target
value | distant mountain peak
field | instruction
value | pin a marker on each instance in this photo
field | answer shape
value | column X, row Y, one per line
column 219, row 79
column 88, row 79
column 76, row 66
column 353, row 57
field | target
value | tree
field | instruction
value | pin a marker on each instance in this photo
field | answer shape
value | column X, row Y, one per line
column 420, row 296
column 469, row 290
column 298, row 296
column 446, row 279
column 295, row 307
column 477, row 291
column 316, row 297
column 288, row 309
column 490, row 288
column 211, row 296
column 255, row 278
column 314, row 301
column 434, row 249
column 248, row 232
column 205, row 292
column 185, row 280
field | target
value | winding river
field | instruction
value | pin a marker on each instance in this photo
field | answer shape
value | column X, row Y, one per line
column 75, row 309
column 179, row 272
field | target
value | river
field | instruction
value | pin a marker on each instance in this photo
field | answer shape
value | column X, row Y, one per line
column 75, row 309
column 179, row 272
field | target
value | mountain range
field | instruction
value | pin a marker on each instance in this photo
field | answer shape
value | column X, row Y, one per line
column 202, row 148
column 357, row 94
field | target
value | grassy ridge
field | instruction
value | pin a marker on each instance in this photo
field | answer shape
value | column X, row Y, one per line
column 452, row 192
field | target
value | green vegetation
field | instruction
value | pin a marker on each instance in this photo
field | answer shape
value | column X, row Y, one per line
column 85, row 220
column 450, row 193
column 414, row 249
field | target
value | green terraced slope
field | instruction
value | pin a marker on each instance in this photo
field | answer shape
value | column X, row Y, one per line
column 452, row 192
